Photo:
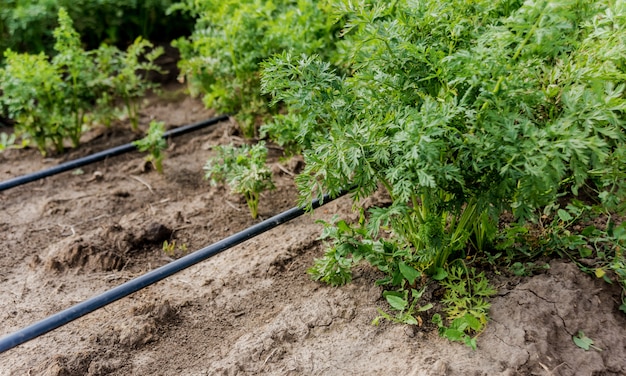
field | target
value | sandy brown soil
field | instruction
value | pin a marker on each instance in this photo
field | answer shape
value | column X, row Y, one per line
column 251, row 310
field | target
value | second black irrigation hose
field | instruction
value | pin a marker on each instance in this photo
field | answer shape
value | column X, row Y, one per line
column 132, row 286
column 100, row 156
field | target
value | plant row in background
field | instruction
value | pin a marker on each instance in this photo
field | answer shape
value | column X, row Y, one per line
column 27, row 25
column 221, row 59
column 52, row 98
column 462, row 111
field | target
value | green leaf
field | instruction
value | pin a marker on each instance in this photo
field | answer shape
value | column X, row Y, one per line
column 620, row 232
column 376, row 320
column 425, row 308
column 396, row 302
column 472, row 322
column 343, row 226
column 437, row 320
column 470, row 342
column 454, row 334
column 588, row 231
column 584, row 252
column 564, row 215
column 408, row 272
column 244, row 170
column 600, row 273
column 582, row 341
column 459, row 323
column 440, row 274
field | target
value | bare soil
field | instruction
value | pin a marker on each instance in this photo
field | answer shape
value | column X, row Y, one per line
column 251, row 310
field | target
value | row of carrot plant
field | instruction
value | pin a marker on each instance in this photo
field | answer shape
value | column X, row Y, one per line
column 52, row 98
column 462, row 111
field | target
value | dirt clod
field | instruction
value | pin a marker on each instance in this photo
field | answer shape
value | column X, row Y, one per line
column 153, row 233
column 80, row 256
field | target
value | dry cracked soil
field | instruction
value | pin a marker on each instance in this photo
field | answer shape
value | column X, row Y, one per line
column 251, row 310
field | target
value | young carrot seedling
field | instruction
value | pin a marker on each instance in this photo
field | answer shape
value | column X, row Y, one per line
column 154, row 143
column 243, row 169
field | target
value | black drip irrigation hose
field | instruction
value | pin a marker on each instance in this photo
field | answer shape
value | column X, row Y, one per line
column 59, row 319
column 100, row 156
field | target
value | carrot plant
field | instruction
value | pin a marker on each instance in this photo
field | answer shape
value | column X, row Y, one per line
column 154, row 144
column 126, row 75
column 123, row 77
column 221, row 60
column 78, row 71
column 244, row 170
column 30, row 97
column 460, row 111
column 50, row 97
column 7, row 141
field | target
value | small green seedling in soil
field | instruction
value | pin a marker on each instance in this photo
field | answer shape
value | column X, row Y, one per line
column 6, row 141
column 584, row 342
column 243, row 169
column 170, row 248
column 457, row 331
column 527, row 269
column 154, row 143
column 407, row 308
column 466, row 304
column 466, row 294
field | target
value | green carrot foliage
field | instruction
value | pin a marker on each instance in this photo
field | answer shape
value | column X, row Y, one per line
column 460, row 110
column 243, row 169
column 79, row 74
column 124, row 74
column 49, row 98
column 154, row 144
column 29, row 96
column 221, row 60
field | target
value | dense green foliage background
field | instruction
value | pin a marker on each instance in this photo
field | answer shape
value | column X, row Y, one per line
column 221, row 60
column 27, row 25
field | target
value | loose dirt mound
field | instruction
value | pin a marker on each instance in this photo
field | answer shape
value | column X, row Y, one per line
column 250, row 310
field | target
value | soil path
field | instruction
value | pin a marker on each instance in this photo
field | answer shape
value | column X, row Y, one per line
column 251, row 310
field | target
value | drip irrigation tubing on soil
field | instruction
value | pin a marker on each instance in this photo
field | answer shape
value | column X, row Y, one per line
column 59, row 319
column 100, row 156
